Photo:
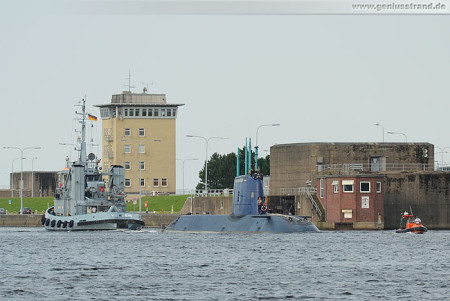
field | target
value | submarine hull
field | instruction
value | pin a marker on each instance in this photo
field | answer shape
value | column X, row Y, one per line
column 272, row 223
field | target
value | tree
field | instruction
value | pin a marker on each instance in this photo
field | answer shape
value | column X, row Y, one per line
column 222, row 169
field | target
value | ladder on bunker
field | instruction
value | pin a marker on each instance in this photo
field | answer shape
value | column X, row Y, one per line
column 314, row 204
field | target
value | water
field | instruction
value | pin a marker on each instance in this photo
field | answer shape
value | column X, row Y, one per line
column 151, row 265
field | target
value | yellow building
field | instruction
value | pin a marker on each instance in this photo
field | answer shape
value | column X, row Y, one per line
column 139, row 134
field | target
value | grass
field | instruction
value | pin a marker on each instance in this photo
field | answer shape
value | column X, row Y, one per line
column 159, row 204
column 39, row 204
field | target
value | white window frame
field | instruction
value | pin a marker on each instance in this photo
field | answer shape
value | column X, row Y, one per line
column 162, row 182
column 157, row 182
column 127, row 149
column 142, row 148
column 365, row 202
column 127, row 165
column 348, row 213
column 346, row 184
column 141, row 132
column 142, row 182
column 127, row 132
column 360, row 187
column 129, row 182
column 321, row 189
column 378, row 189
column 142, row 165
column 335, row 185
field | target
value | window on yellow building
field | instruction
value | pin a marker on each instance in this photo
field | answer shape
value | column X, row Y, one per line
column 164, row 182
column 155, row 182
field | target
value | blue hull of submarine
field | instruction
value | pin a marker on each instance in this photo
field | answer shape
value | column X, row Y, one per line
column 245, row 217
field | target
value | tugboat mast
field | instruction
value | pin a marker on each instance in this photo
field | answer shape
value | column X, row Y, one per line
column 82, row 158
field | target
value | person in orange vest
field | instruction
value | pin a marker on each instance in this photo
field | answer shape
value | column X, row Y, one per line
column 263, row 208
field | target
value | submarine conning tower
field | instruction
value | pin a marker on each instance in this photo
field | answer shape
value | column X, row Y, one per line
column 245, row 195
column 247, row 188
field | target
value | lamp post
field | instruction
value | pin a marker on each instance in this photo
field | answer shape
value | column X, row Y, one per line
column 379, row 124
column 21, row 170
column 256, row 146
column 397, row 133
column 442, row 152
column 182, row 161
column 206, row 157
column 12, row 175
column 32, row 177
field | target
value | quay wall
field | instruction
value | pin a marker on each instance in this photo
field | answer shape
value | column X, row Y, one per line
column 34, row 220
column 426, row 194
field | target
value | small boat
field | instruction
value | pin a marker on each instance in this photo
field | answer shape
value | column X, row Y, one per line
column 87, row 198
column 409, row 224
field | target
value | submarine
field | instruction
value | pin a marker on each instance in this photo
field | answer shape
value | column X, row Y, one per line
column 247, row 215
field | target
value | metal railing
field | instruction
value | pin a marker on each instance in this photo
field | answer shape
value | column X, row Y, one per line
column 297, row 191
column 308, row 191
column 214, row 192
column 347, row 168
column 314, row 204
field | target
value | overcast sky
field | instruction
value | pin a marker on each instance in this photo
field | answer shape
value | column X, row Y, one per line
column 324, row 78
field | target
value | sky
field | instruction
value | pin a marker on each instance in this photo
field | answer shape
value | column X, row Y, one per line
column 322, row 77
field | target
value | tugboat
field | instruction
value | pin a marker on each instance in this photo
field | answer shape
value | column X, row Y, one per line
column 249, row 213
column 410, row 225
column 83, row 201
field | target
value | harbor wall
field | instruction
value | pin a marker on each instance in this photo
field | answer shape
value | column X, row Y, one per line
column 17, row 220
column 34, row 220
column 208, row 205
column 426, row 194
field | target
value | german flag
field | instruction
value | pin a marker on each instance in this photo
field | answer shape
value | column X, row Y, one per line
column 92, row 117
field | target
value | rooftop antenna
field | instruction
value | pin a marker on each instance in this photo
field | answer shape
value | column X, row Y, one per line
column 129, row 82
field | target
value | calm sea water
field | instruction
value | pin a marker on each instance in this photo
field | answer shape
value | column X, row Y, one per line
column 153, row 265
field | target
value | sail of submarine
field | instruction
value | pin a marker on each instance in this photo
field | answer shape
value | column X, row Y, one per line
column 245, row 216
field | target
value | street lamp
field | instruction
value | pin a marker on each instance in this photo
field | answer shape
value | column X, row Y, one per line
column 21, row 170
column 442, row 152
column 206, row 157
column 256, row 146
column 182, row 161
column 32, row 177
column 12, row 175
column 393, row 133
column 379, row 124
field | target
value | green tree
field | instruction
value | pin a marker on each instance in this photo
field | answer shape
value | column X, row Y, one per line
column 222, row 169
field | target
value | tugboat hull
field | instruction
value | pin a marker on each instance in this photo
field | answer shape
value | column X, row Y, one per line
column 93, row 221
